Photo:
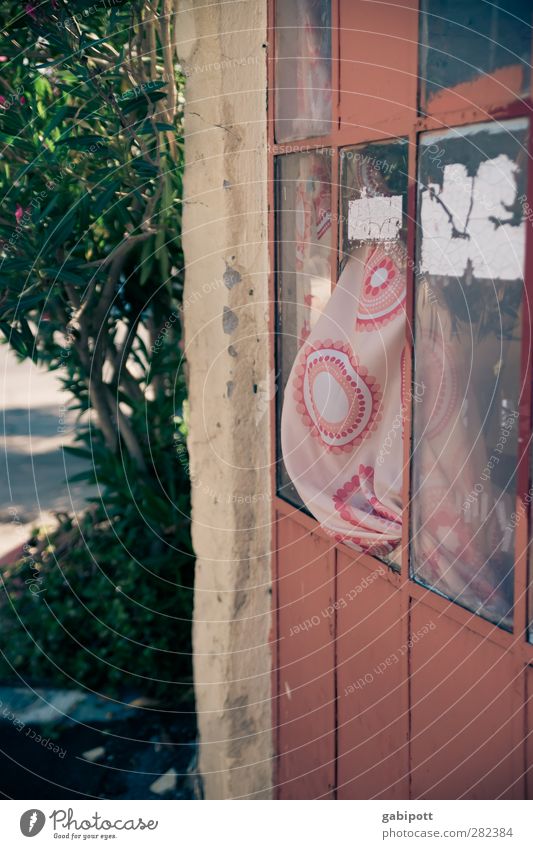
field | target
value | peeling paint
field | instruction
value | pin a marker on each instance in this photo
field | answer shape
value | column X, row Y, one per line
column 376, row 218
column 466, row 222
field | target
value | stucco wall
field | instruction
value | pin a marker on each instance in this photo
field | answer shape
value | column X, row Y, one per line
column 222, row 49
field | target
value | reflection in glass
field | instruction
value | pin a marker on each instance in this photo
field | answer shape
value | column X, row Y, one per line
column 473, row 52
column 303, row 69
column 303, row 232
column 373, row 241
column 467, row 357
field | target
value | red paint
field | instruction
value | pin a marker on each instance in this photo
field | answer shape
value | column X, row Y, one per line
column 306, row 664
column 465, row 691
column 449, row 718
column 372, row 685
column 378, row 68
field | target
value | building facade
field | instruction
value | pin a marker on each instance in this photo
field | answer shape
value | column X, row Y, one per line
column 357, row 330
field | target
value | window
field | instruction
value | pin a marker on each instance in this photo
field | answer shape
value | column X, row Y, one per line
column 470, row 267
column 374, row 211
column 303, row 202
column 405, row 559
column 458, row 243
column 473, row 52
column 303, row 73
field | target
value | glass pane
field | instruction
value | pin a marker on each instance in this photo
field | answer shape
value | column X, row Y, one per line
column 373, row 231
column 469, row 288
column 303, row 69
column 303, row 232
column 373, row 198
column 474, row 52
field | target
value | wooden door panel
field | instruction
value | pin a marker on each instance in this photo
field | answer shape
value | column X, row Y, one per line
column 529, row 732
column 466, row 713
column 378, row 71
column 373, row 726
column 306, row 652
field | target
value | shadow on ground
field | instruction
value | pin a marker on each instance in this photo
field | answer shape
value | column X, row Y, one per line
column 135, row 753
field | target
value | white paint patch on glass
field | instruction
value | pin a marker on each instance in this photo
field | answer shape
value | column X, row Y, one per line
column 375, row 218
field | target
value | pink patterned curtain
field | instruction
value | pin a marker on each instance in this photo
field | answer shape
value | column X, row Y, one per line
column 342, row 418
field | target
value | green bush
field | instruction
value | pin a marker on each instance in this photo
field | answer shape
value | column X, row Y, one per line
column 97, row 604
column 90, row 285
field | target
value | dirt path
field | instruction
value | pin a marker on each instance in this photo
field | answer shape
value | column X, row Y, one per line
column 33, row 467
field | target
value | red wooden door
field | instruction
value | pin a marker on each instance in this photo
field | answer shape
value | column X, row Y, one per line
column 307, row 663
column 404, row 678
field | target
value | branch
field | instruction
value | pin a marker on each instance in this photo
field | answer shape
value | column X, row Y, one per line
column 168, row 48
column 99, row 401
column 122, row 354
column 130, row 386
column 116, row 258
column 127, row 434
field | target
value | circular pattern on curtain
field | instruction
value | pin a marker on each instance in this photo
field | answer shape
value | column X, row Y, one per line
column 336, row 397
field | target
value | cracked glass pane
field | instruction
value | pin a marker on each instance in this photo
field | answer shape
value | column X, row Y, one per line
column 473, row 53
column 303, row 233
column 469, row 287
column 303, row 69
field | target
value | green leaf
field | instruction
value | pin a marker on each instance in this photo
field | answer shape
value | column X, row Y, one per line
column 85, row 143
column 27, row 335
column 63, row 229
column 103, row 200
column 146, row 169
column 26, row 302
column 78, row 452
column 146, row 263
column 14, row 337
column 141, row 101
column 65, row 274
column 17, row 143
column 88, row 475
column 48, row 209
column 57, row 118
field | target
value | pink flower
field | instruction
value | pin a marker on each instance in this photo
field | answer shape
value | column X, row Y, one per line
column 20, row 212
column 3, row 58
column 22, row 100
column 30, row 10
column 2, row 98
